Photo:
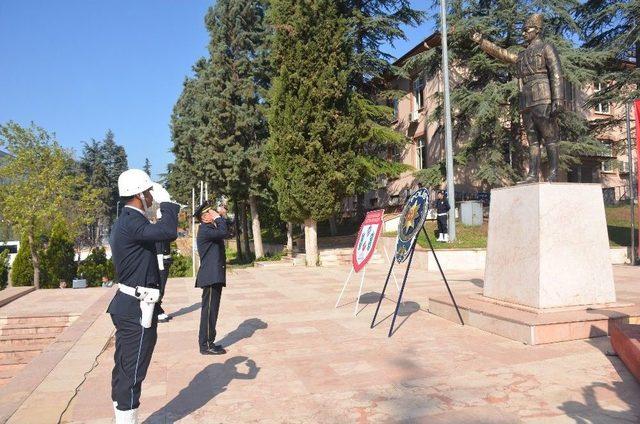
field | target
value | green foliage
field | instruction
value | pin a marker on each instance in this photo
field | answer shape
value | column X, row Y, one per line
column 102, row 162
column 96, row 266
column 147, row 166
column 59, row 258
column 485, row 102
column 610, row 28
column 372, row 24
column 270, row 257
column 22, row 267
column 4, row 268
column 218, row 125
column 433, row 176
column 181, row 266
column 41, row 186
column 313, row 118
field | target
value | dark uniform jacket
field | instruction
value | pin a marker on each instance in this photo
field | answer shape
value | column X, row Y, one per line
column 133, row 249
column 213, row 259
column 442, row 206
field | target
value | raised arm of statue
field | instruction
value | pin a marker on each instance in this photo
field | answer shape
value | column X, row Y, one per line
column 494, row 50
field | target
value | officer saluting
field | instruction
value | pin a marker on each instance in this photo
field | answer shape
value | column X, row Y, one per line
column 442, row 209
column 133, row 309
column 212, row 273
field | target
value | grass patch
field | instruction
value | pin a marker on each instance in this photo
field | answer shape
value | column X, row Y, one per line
column 618, row 226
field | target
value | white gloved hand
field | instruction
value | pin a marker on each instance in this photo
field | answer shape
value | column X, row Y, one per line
column 160, row 194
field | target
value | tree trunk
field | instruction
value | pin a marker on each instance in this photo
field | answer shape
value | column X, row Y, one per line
column 311, row 241
column 290, row 238
column 360, row 207
column 255, row 226
column 36, row 261
column 245, row 232
column 236, row 223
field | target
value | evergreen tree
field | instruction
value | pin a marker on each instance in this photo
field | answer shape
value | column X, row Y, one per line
column 218, row 124
column 374, row 23
column 485, row 104
column 22, row 267
column 610, row 28
column 147, row 166
column 313, row 120
column 59, row 258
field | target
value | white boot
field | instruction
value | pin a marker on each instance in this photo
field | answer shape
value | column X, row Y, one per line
column 126, row 417
column 440, row 237
column 446, row 238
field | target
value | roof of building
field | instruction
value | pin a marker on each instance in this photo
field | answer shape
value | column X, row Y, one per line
column 428, row 43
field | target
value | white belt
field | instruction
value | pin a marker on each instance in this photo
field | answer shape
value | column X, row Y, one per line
column 131, row 291
column 443, row 214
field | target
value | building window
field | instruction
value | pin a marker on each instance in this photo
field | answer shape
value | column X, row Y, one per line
column 608, row 165
column 604, row 108
column 418, row 95
column 569, row 95
column 420, row 153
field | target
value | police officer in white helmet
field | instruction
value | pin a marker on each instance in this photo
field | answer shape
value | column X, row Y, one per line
column 133, row 308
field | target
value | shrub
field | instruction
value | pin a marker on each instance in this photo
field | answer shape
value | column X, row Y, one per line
column 96, row 266
column 181, row 266
column 59, row 258
column 22, row 268
column 4, row 268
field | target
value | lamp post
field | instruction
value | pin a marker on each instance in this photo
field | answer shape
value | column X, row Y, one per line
column 448, row 144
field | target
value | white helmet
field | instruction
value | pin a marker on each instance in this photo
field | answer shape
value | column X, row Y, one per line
column 132, row 182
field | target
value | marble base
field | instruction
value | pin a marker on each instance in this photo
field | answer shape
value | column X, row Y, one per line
column 548, row 246
column 533, row 326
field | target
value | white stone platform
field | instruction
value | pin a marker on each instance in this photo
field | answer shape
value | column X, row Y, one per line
column 548, row 274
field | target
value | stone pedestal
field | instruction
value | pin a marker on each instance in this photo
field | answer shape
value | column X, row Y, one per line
column 548, row 274
column 548, row 246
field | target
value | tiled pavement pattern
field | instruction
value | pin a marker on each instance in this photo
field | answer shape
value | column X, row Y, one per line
column 293, row 358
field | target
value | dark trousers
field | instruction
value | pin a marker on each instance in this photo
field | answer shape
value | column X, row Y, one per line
column 134, row 347
column 209, row 315
column 442, row 224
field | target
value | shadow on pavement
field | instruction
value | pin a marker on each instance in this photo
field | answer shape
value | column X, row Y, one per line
column 626, row 390
column 244, row 331
column 205, row 386
column 186, row 310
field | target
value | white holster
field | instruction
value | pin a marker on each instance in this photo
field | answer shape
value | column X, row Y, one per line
column 147, row 297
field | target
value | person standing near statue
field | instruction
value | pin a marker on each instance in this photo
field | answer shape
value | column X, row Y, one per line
column 541, row 96
column 211, row 278
column 442, row 211
column 134, row 307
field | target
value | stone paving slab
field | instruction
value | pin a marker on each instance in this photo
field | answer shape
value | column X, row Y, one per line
column 293, row 358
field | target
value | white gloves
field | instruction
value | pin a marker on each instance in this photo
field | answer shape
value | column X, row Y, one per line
column 160, row 194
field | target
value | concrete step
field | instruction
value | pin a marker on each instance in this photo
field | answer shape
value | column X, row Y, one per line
column 13, row 355
column 24, row 329
column 38, row 320
column 24, row 340
column 9, row 370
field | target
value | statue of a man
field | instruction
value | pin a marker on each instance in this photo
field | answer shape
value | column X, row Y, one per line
column 541, row 95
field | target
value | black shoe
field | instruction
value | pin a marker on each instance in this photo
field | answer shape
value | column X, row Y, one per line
column 215, row 350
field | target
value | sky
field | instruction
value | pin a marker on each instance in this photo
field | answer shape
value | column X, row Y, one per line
column 80, row 67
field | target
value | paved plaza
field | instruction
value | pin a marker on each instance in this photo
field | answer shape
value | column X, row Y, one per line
column 294, row 358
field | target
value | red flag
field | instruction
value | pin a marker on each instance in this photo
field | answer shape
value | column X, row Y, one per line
column 637, row 109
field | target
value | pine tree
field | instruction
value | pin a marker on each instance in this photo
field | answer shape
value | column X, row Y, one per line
column 147, row 166
column 22, row 267
column 313, row 120
column 485, row 104
column 218, row 124
column 374, row 23
column 610, row 28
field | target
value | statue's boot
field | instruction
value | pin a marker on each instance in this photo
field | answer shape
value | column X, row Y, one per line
column 534, row 164
column 553, row 153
